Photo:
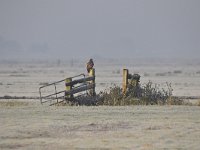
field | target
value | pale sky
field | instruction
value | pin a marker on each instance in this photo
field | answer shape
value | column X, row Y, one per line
column 99, row 28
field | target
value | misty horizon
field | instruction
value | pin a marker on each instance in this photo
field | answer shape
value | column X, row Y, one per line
column 100, row 29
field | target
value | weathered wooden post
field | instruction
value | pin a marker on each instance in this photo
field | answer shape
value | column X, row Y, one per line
column 68, row 88
column 92, row 74
column 125, row 81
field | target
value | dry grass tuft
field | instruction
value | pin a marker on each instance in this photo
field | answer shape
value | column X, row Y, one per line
column 176, row 101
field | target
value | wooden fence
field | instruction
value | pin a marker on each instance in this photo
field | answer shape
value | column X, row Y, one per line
column 129, row 79
column 50, row 93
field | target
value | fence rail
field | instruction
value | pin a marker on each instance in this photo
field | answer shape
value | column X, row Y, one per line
column 72, row 86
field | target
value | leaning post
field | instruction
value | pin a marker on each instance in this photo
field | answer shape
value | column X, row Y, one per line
column 92, row 74
column 125, row 81
column 68, row 88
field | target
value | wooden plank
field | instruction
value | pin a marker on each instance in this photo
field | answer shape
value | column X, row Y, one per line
column 79, row 81
column 80, row 89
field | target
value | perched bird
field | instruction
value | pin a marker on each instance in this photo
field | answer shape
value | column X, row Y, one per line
column 89, row 65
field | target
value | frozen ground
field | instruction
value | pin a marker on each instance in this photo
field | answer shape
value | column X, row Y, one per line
column 134, row 127
column 29, row 125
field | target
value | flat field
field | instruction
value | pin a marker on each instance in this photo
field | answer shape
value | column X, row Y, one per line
column 25, row 78
column 26, row 125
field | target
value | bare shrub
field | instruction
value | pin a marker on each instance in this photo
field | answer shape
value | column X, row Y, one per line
column 113, row 96
column 152, row 94
column 148, row 94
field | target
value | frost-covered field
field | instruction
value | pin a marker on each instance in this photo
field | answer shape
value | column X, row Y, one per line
column 132, row 127
column 25, row 124
column 24, row 79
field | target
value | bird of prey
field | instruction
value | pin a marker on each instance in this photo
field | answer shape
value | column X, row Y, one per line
column 89, row 65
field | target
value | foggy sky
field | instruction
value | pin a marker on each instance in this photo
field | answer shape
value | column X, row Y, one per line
column 99, row 28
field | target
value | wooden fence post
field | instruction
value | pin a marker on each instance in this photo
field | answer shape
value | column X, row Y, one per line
column 92, row 74
column 125, row 81
column 68, row 88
